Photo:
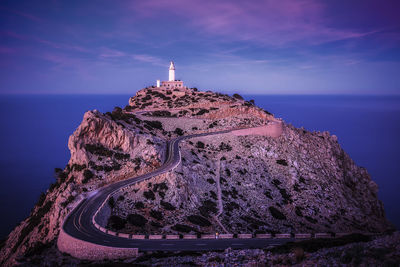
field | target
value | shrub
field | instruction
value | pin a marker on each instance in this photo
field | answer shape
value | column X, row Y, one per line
column 37, row 249
column 198, row 220
column 116, row 222
column 232, row 206
column 202, row 112
column 178, row 131
column 67, row 201
column 41, row 199
column 213, row 195
column 276, row 213
column 87, row 174
column 149, row 195
column 267, row 193
column 99, row 150
column 139, row 205
column 237, row 96
column 121, row 156
column 111, row 202
column 136, row 220
column 298, row 211
column 286, row 197
column 161, row 113
column 224, row 146
column 156, row 214
column 311, row 220
column 182, row 228
column 276, row 182
column 208, row 207
column 161, row 186
column 267, row 112
column 154, row 124
column 128, row 108
column 62, row 176
column 78, row 167
column 211, row 181
column 155, row 224
column 167, row 205
column 200, row 144
column 282, row 162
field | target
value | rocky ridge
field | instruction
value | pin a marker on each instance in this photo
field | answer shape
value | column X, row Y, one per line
column 299, row 181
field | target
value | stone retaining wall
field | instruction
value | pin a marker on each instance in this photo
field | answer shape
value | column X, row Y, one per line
column 322, row 235
column 88, row 251
column 225, row 236
column 208, row 236
column 300, row 236
column 283, row 236
column 263, row 236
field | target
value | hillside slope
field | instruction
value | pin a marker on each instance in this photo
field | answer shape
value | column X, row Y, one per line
column 285, row 180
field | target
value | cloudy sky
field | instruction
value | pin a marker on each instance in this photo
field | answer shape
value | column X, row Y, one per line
column 255, row 46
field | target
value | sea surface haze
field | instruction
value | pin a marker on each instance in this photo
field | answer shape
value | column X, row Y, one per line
column 35, row 131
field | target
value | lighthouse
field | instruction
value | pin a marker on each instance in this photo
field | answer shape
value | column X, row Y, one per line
column 171, row 83
column 171, row 72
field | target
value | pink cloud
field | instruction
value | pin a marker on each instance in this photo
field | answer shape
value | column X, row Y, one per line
column 111, row 53
column 149, row 59
column 6, row 50
column 267, row 22
column 62, row 45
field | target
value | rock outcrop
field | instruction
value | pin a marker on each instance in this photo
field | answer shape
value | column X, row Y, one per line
column 289, row 180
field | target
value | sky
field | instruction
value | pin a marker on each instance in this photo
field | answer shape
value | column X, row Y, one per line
column 248, row 47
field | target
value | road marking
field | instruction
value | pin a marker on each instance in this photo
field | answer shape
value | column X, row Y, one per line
column 167, row 244
column 237, row 244
column 200, row 244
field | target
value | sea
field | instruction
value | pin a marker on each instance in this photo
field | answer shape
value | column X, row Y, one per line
column 35, row 129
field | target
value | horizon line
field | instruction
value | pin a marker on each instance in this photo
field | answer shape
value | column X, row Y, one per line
column 230, row 93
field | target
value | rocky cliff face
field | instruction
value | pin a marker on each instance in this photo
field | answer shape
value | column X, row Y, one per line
column 103, row 150
column 297, row 182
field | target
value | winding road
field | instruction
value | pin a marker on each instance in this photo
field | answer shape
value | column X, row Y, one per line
column 79, row 223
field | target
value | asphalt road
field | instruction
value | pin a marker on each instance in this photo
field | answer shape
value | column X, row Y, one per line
column 79, row 222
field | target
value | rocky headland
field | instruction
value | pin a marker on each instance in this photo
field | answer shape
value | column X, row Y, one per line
column 265, row 177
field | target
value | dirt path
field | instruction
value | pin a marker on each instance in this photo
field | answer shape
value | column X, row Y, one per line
column 220, row 206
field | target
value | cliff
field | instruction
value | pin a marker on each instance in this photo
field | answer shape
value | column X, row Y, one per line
column 273, row 178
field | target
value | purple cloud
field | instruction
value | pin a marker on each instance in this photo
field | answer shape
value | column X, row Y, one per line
column 267, row 22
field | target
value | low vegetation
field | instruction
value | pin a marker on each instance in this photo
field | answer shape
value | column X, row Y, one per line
column 136, row 220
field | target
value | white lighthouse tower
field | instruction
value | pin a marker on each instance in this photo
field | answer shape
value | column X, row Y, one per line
column 171, row 72
column 171, row 83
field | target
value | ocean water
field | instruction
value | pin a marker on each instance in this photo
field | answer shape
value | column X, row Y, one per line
column 35, row 130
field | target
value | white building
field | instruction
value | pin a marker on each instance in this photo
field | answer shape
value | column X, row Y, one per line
column 171, row 83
